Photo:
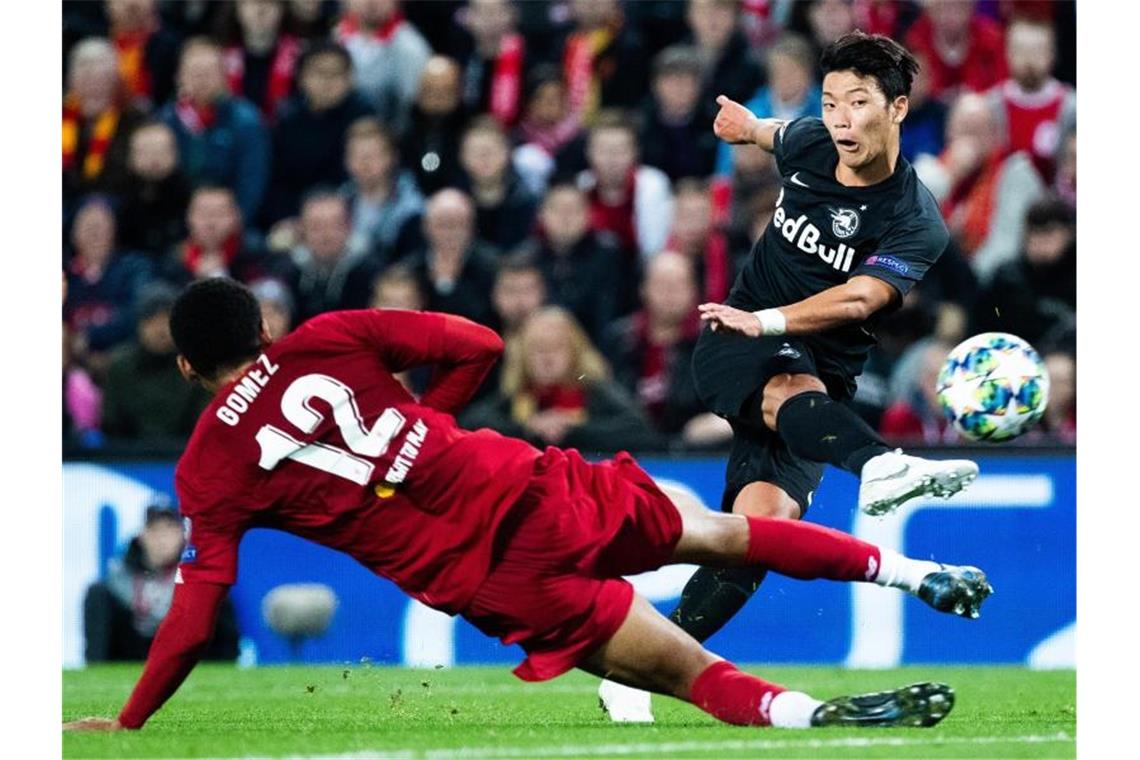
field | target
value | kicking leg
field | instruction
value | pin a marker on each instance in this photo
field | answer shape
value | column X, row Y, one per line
column 649, row 652
column 816, row 427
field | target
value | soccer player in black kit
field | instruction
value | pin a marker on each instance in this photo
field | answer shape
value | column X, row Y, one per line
column 853, row 230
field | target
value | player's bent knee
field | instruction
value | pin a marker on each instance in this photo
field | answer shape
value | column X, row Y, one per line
column 780, row 388
column 762, row 499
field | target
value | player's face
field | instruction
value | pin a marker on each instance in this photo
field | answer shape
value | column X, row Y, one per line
column 861, row 121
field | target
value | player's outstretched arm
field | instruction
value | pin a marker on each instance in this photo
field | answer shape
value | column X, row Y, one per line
column 184, row 634
column 853, row 301
column 737, row 125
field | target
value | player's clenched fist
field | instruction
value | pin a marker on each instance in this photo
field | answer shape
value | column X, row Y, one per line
column 722, row 317
column 734, row 123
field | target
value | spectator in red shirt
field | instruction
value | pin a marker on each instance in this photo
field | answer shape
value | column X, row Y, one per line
column 1033, row 108
column 261, row 61
column 963, row 50
column 632, row 202
column 916, row 417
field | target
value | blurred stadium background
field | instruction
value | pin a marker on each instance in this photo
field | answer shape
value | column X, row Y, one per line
column 497, row 159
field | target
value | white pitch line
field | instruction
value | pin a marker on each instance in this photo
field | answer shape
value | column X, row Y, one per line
column 648, row 748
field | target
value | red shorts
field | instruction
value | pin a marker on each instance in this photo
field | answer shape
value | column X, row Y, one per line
column 555, row 585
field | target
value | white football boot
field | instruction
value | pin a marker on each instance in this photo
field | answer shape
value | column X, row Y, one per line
column 894, row 478
column 624, row 704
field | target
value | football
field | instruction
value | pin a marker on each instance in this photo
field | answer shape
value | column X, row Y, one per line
column 993, row 387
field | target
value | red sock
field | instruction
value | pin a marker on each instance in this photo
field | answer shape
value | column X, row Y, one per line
column 734, row 697
column 806, row 551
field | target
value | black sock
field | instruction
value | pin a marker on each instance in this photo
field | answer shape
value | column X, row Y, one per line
column 816, row 427
column 712, row 596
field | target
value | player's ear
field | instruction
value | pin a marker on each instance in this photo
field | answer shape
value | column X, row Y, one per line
column 186, row 370
column 263, row 334
column 899, row 109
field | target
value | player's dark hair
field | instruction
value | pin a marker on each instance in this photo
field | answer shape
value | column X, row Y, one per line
column 872, row 55
column 216, row 325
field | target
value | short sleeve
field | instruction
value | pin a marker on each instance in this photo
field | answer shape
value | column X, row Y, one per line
column 908, row 250
column 797, row 140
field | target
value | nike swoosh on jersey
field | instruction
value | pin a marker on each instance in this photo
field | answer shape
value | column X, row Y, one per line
column 796, row 181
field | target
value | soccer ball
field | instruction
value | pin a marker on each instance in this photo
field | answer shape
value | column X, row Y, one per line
column 993, row 387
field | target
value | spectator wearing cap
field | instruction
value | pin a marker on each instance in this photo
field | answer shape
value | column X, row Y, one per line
column 675, row 135
column 146, row 403
column 330, row 274
column 122, row 610
column 155, row 199
column 309, row 137
column 730, row 66
column 430, row 146
column 963, row 49
column 651, row 352
column 580, row 266
column 383, row 198
column 102, row 284
column 147, row 51
column 261, row 59
column 97, row 122
column 504, row 206
column 217, row 245
column 388, row 54
column 494, row 67
column 456, row 270
column 792, row 91
column 221, row 138
column 277, row 307
column 1037, row 291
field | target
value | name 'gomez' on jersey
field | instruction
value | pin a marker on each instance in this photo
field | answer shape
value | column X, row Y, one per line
column 823, row 233
column 319, row 439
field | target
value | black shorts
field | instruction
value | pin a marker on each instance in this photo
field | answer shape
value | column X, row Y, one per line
column 730, row 372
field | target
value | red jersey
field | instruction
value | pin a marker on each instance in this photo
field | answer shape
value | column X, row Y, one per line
column 319, row 439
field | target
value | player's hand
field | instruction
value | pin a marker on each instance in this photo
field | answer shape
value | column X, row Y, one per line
column 720, row 316
column 93, row 724
column 734, row 123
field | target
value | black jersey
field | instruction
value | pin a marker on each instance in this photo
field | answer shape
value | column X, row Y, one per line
column 824, row 233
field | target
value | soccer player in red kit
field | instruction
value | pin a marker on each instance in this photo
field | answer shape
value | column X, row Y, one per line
column 314, row 435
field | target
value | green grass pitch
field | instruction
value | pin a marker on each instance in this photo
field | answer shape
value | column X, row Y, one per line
column 359, row 711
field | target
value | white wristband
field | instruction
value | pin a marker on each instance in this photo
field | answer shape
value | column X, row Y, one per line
column 772, row 321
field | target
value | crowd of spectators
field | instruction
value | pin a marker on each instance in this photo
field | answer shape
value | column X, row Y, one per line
column 547, row 168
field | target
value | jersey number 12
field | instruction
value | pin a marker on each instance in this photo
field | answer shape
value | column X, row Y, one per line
column 276, row 444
